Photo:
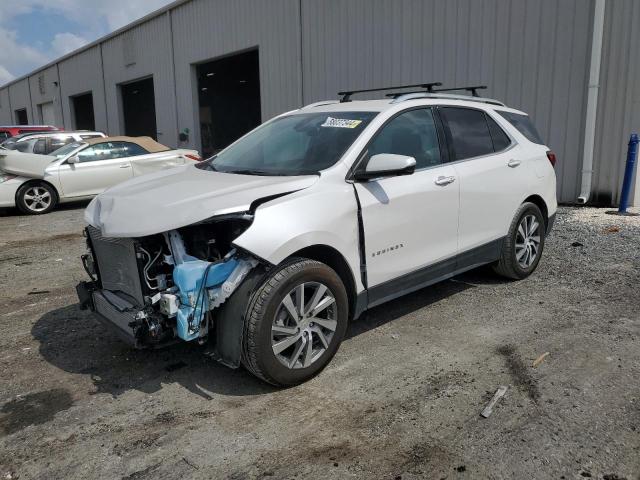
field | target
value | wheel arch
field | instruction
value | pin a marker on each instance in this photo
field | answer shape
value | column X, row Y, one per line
column 538, row 201
column 335, row 260
column 36, row 181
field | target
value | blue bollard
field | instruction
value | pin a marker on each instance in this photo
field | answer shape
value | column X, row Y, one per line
column 632, row 155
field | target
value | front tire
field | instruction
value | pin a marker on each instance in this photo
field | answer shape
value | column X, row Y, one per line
column 523, row 245
column 295, row 322
column 36, row 198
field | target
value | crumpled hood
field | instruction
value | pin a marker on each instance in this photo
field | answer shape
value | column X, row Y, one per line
column 29, row 165
column 177, row 197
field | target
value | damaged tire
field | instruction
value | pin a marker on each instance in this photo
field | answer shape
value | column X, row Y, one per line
column 523, row 245
column 295, row 322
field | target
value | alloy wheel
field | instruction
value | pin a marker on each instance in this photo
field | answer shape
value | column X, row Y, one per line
column 304, row 324
column 527, row 241
column 37, row 198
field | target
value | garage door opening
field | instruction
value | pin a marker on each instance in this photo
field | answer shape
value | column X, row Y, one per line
column 229, row 99
column 139, row 108
column 83, row 116
column 21, row 117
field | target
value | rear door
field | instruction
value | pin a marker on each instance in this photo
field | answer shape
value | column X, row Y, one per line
column 100, row 166
column 492, row 180
column 410, row 222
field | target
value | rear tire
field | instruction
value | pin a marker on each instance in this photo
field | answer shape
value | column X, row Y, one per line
column 36, row 198
column 524, row 243
column 295, row 322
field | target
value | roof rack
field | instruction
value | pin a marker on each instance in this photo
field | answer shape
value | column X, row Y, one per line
column 472, row 89
column 468, row 98
column 346, row 95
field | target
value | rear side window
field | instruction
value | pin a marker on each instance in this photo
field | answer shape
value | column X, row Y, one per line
column 468, row 132
column 524, row 125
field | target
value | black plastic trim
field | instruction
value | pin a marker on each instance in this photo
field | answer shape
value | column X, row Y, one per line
column 435, row 273
column 550, row 222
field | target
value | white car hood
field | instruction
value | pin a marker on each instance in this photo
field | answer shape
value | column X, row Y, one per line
column 177, row 197
column 29, row 165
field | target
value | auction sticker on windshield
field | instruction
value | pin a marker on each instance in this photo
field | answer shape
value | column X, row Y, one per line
column 341, row 122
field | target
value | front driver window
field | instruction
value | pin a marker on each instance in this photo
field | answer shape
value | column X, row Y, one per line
column 412, row 133
column 99, row 151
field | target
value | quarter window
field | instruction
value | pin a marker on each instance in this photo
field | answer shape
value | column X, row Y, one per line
column 468, row 132
column 500, row 139
column 524, row 125
column 412, row 133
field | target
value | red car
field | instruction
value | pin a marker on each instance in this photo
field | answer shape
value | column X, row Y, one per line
column 9, row 131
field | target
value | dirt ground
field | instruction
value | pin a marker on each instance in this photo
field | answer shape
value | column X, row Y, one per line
column 401, row 400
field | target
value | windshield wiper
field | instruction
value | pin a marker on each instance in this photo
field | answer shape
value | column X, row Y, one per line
column 249, row 171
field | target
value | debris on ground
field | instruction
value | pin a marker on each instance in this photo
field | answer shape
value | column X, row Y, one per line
column 611, row 230
column 539, row 360
column 497, row 396
column 577, row 244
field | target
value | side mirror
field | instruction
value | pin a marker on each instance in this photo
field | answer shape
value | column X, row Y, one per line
column 73, row 159
column 387, row 165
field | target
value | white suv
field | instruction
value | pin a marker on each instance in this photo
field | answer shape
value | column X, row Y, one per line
column 267, row 250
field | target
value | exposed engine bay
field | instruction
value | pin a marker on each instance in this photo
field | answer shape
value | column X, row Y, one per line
column 166, row 287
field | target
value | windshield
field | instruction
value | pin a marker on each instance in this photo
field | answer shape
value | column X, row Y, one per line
column 293, row 145
column 66, row 150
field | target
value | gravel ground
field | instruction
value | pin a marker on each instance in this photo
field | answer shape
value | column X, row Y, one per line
column 401, row 400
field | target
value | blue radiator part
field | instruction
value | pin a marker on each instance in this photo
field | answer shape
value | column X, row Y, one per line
column 188, row 277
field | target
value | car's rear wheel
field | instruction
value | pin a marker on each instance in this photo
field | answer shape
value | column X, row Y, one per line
column 523, row 245
column 36, row 198
column 295, row 323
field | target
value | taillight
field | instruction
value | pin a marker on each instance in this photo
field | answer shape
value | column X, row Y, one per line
column 552, row 158
column 195, row 158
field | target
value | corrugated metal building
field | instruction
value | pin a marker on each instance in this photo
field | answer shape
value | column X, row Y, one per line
column 158, row 75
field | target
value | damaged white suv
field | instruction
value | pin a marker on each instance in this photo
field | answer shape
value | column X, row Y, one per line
column 267, row 250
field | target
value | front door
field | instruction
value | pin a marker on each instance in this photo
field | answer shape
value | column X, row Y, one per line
column 410, row 222
column 98, row 168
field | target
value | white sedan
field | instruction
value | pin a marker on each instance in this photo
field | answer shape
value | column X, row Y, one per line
column 78, row 171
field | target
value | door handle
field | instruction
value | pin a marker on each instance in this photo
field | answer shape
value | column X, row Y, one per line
column 442, row 181
column 513, row 163
column 125, row 165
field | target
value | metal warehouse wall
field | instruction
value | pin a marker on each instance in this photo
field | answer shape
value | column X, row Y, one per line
column 44, row 90
column 532, row 55
column 618, row 100
column 19, row 94
column 141, row 52
column 5, row 107
column 82, row 73
column 205, row 30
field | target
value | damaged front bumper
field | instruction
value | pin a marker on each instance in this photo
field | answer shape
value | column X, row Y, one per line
column 155, row 309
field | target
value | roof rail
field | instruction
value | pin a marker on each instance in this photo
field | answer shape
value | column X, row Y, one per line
column 318, row 104
column 346, row 95
column 468, row 98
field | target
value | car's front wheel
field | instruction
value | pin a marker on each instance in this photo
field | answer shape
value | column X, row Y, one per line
column 523, row 245
column 36, row 198
column 295, row 322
